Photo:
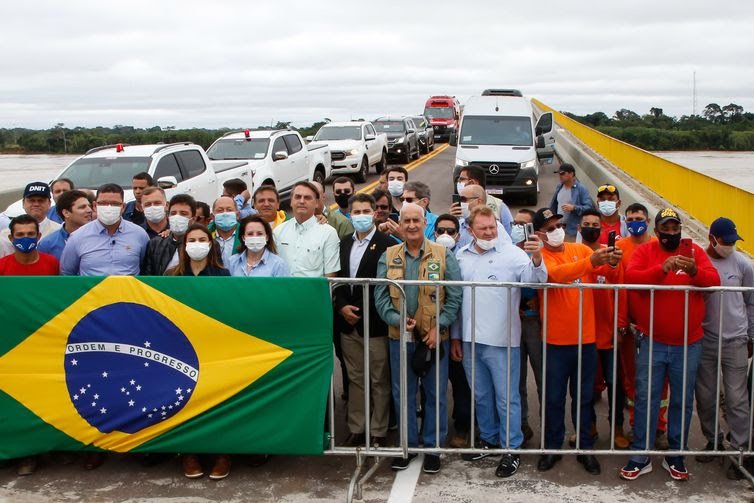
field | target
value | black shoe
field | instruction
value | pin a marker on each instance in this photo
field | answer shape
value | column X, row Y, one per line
column 508, row 465
column 590, row 463
column 476, row 456
column 379, row 441
column 547, row 461
column 733, row 473
column 431, row 463
column 400, row 463
column 355, row 440
column 709, row 447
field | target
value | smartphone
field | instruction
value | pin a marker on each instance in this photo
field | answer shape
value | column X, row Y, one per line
column 685, row 248
column 611, row 239
column 456, row 198
column 394, row 217
column 528, row 231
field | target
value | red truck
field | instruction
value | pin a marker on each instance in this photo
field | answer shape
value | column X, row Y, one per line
column 444, row 113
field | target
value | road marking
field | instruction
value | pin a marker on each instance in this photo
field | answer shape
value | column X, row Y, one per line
column 405, row 481
column 368, row 189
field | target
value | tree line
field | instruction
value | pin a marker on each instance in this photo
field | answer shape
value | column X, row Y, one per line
column 61, row 139
column 718, row 127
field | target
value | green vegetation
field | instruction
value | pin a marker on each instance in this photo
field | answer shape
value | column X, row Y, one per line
column 718, row 128
column 60, row 139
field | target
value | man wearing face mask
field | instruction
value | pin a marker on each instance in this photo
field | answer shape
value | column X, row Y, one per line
column 569, row 263
column 660, row 263
column 397, row 176
column 342, row 189
column 359, row 256
column 162, row 252
column 225, row 226
column 497, row 331
column 26, row 260
column 107, row 246
column 335, row 219
column 608, row 204
column 474, row 175
column 473, row 196
column 737, row 334
column 36, row 202
column 155, row 205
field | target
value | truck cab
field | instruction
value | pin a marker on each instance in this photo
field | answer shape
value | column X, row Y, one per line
column 499, row 135
column 444, row 114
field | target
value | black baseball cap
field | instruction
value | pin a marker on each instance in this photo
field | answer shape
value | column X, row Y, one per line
column 37, row 189
column 666, row 215
column 542, row 216
column 567, row 168
column 725, row 230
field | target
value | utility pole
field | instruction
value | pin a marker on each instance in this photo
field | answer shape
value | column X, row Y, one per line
column 693, row 111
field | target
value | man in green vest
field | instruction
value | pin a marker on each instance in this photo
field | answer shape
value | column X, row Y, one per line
column 418, row 258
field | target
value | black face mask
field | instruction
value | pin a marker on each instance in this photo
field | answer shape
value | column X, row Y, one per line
column 670, row 241
column 590, row 234
column 342, row 200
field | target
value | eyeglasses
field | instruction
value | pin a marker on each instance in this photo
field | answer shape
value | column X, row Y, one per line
column 383, row 207
column 343, row 191
column 450, row 231
column 606, row 188
column 555, row 226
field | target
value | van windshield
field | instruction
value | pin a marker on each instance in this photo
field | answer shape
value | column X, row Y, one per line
column 439, row 112
column 485, row 130
column 339, row 133
column 234, row 149
column 91, row 172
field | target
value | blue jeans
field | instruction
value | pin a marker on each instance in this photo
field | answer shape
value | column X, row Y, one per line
column 491, row 393
column 667, row 361
column 561, row 376
column 428, row 385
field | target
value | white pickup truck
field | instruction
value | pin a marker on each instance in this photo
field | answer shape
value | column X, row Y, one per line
column 354, row 146
column 272, row 157
column 178, row 167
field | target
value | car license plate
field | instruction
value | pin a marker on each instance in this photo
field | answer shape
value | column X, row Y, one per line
column 437, row 136
column 495, row 190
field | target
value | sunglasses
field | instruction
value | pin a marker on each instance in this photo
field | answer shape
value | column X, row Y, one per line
column 383, row 207
column 606, row 188
column 343, row 191
column 450, row 231
column 408, row 199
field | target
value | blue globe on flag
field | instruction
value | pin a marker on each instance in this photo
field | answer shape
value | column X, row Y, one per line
column 128, row 367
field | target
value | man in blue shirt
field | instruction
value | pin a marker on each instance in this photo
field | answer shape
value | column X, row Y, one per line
column 75, row 211
column 58, row 187
column 570, row 199
column 107, row 246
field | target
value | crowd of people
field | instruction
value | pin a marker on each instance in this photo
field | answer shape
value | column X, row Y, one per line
column 565, row 337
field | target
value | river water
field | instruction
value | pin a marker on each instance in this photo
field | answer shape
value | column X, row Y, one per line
column 734, row 168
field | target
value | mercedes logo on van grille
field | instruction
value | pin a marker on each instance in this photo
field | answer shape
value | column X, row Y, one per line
column 494, row 169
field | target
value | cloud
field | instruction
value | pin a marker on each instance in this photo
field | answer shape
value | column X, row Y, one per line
column 244, row 63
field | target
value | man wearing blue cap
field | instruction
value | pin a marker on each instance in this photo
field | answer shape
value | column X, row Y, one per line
column 36, row 203
column 737, row 332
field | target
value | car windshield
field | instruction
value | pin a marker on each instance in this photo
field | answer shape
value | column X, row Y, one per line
column 483, row 130
column 389, row 126
column 235, row 149
column 339, row 133
column 419, row 121
column 439, row 112
column 92, row 172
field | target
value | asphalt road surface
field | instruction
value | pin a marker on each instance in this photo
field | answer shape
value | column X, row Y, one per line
column 325, row 479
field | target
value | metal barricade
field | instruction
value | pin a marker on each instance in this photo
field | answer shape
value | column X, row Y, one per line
column 379, row 453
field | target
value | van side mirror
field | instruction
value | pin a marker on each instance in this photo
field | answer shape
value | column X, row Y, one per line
column 540, row 142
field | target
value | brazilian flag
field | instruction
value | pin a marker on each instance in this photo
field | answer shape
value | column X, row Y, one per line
column 164, row 364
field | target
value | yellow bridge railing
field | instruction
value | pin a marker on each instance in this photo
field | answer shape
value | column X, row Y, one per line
column 701, row 196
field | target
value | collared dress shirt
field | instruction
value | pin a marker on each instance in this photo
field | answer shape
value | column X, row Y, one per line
column 309, row 249
column 91, row 251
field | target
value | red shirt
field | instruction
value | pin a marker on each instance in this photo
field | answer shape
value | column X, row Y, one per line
column 47, row 265
column 607, row 228
column 645, row 268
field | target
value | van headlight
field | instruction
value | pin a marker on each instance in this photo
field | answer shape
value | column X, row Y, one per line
column 529, row 164
column 462, row 163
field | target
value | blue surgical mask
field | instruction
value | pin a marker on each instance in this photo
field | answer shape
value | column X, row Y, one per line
column 25, row 245
column 517, row 233
column 637, row 228
column 362, row 223
column 225, row 221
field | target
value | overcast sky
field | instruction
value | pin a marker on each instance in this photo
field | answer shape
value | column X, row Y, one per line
column 244, row 63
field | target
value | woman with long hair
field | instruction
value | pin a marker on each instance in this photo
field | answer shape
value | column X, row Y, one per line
column 257, row 255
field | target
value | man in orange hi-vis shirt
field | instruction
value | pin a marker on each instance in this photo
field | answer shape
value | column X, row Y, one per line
column 637, row 221
column 569, row 263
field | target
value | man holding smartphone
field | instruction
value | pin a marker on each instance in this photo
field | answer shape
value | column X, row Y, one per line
column 660, row 263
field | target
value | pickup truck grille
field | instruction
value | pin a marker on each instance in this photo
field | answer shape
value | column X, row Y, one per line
column 337, row 155
column 499, row 173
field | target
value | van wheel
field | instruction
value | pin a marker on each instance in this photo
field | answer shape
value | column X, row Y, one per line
column 361, row 175
column 382, row 165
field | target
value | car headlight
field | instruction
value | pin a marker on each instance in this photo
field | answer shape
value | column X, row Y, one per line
column 353, row 151
column 529, row 164
column 462, row 163
column 451, row 126
column 399, row 140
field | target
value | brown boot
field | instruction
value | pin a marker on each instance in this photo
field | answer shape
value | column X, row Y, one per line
column 221, row 469
column 192, row 468
column 619, row 440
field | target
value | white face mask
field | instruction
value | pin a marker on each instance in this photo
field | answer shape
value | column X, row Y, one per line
column 255, row 243
column 178, row 224
column 518, row 233
column 485, row 244
column 465, row 212
column 445, row 240
column 197, row 250
column 724, row 251
column 395, row 187
column 154, row 214
column 556, row 237
column 108, row 215
column 607, row 208
column 460, row 186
